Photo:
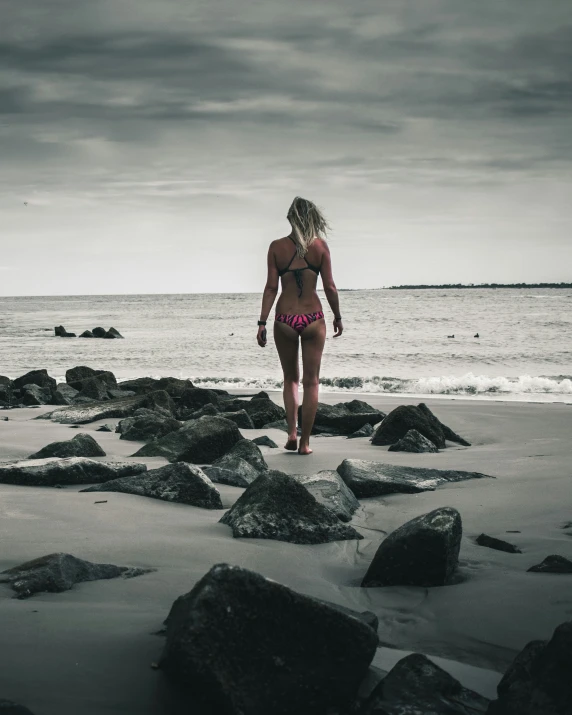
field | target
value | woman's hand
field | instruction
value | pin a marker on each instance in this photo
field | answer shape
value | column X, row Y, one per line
column 338, row 328
column 261, row 337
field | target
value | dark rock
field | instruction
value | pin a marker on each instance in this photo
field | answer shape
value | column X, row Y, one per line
column 105, row 428
column 112, row 333
column 93, row 411
column 148, row 427
column 330, row 490
column 374, row 479
column 99, row 332
column 422, row 552
column 264, row 411
column 250, row 645
column 143, row 385
column 60, row 572
column 232, row 404
column 261, row 396
column 413, row 441
column 364, row 431
column 94, row 389
column 36, row 377
column 416, row 686
column 160, row 401
column 87, row 334
column 104, row 376
column 240, row 418
column 327, row 431
column 7, row 707
column 82, row 445
column 553, row 564
column 265, row 441
column 6, row 389
column 116, row 393
column 538, row 681
column 64, row 394
column 342, row 418
column 405, row 417
column 34, row 395
column 196, row 397
column 236, row 472
column 277, row 506
column 208, row 410
column 360, row 407
column 247, row 450
column 198, row 441
column 282, row 425
column 181, row 483
column 497, row 544
column 72, row 470
column 79, row 373
column 61, row 332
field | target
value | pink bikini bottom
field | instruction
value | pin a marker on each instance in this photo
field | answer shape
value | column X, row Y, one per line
column 299, row 322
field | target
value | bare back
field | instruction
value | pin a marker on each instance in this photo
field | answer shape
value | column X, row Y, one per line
column 299, row 276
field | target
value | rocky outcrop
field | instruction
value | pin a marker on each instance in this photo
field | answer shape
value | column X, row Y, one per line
column 247, row 450
column 241, row 419
column 261, row 396
column 422, row 552
column 94, row 389
column 120, row 407
column 112, row 334
column 374, row 479
column 250, row 645
column 60, row 572
column 64, row 394
column 34, row 395
column 61, row 332
column 553, row 564
column 365, row 431
column 196, row 397
column 413, row 441
column 180, row 482
column 72, row 470
column 208, row 410
column 236, row 472
column 78, row 376
column 265, row 441
column 263, row 411
column 538, row 681
column 147, row 425
column 276, row 506
column 405, row 417
column 198, row 441
column 35, row 377
column 345, row 417
column 87, row 334
column 174, row 386
column 82, row 445
column 417, row 686
column 498, row 544
column 329, row 489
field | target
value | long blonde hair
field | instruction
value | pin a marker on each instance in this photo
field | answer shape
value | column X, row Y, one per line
column 307, row 223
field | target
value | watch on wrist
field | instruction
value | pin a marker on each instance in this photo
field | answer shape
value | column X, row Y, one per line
column 337, row 317
column 261, row 322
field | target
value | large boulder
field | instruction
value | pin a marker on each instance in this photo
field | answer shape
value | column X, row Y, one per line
column 413, row 441
column 77, row 376
column 241, row 419
column 422, row 552
column 93, row 388
column 330, row 490
column 277, row 506
column 264, row 411
column 344, row 417
column 236, row 472
column 250, row 645
column 538, row 681
column 247, row 450
column 82, row 445
column 112, row 333
column 233, row 404
column 34, row 395
column 198, row 441
column 36, row 377
column 64, row 394
column 417, row 686
column 71, row 470
column 374, row 479
column 399, row 421
column 55, row 573
column 553, row 564
column 99, row 332
column 180, row 482
column 120, row 407
column 148, row 426
column 194, row 398
column 365, row 431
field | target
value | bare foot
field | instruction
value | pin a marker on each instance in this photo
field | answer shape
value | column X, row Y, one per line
column 304, row 450
column 292, row 445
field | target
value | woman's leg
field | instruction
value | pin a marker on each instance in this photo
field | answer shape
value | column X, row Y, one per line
column 313, row 339
column 287, row 341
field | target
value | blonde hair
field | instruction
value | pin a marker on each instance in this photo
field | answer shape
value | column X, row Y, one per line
column 308, row 223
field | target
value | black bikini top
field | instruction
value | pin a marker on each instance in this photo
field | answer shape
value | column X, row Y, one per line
column 298, row 271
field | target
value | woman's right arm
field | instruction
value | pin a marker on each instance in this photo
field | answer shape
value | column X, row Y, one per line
column 331, row 291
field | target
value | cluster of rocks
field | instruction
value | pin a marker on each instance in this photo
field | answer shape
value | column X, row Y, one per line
column 111, row 334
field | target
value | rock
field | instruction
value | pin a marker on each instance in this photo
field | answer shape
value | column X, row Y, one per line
column 94, row 389
column 79, row 373
column 82, row 445
column 422, row 552
column 240, row 418
column 277, row 506
column 277, row 424
column 174, row 386
column 105, row 428
column 198, row 441
column 7, row 707
column 360, row 407
column 72, row 470
column 247, row 450
column 405, row 417
column 65, row 392
column 416, row 686
column 180, row 482
column 250, row 645
column 265, row 441
column 330, row 490
column 553, row 564
column 236, row 472
column 112, row 333
column 196, row 397
column 55, row 573
column 538, row 681
column 76, row 377
column 35, row 377
column 148, row 427
column 116, row 393
column 208, row 410
column 364, row 431
column 447, row 431
column 34, row 395
column 99, row 332
column 94, row 411
column 6, row 389
column 342, row 418
column 413, row 441
column 373, row 479
column 264, row 411
column 261, row 396
column 497, row 544
column 61, row 332
column 87, row 334
column 232, row 404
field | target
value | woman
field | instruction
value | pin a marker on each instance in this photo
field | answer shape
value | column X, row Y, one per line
column 298, row 259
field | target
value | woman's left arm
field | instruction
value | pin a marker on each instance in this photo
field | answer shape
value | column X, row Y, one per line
column 268, row 296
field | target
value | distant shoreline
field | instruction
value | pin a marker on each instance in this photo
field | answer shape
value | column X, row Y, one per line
column 447, row 286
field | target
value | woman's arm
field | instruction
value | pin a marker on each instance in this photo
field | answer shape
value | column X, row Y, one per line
column 268, row 296
column 331, row 291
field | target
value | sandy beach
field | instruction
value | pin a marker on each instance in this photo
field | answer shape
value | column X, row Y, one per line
column 91, row 649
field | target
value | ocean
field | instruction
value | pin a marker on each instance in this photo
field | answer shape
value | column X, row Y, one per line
column 394, row 341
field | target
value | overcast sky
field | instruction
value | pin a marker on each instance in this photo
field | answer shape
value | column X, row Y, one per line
column 159, row 143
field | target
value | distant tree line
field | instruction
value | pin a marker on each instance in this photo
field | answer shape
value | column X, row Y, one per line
column 483, row 285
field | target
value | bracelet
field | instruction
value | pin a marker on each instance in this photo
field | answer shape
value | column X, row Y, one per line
column 337, row 317
column 261, row 322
